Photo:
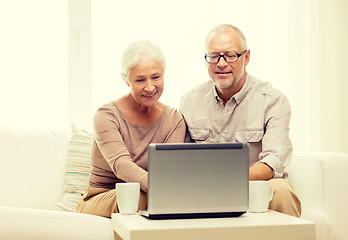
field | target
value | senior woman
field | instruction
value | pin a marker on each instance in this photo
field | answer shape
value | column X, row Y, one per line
column 124, row 128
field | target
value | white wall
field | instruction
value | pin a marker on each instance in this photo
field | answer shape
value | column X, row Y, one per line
column 80, row 63
column 328, row 75
column 180, row 28
column 297, row 45
column 278, row 33
column 33, row 63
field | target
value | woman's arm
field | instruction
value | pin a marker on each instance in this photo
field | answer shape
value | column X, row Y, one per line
column 178, row 133
column 108, row 138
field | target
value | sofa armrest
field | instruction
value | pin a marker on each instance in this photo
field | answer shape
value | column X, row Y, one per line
column 319, row 180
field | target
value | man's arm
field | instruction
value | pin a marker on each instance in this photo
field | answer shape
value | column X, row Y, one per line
column 260, row 171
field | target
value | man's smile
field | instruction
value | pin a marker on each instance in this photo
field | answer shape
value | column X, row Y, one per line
column 223, row 73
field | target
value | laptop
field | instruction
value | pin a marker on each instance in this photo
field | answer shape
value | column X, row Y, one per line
column 197, row 180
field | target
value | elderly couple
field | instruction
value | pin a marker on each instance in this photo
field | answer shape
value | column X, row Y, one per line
column 232, row 107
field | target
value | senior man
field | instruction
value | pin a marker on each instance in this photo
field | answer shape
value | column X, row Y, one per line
column 236, row 107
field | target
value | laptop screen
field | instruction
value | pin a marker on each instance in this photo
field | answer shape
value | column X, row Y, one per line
column 191, row 178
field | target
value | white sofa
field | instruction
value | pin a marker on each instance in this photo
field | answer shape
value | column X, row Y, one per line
column 32, row 182
column 319, row 180
column 36, row 186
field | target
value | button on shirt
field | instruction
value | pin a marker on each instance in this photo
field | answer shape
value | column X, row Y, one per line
column 258, row 114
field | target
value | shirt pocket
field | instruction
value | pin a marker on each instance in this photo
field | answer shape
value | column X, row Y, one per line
column 252, row 136
column 199, row 134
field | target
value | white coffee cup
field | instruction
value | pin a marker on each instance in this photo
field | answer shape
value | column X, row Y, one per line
column 260, row 194
column 127, row 195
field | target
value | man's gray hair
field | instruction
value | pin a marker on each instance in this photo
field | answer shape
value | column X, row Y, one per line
column 224, row 28
column 133, row 52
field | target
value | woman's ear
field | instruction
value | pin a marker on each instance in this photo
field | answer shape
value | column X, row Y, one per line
column 124, row 77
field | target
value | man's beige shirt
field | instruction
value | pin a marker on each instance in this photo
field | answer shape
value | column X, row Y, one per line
column 258, row 114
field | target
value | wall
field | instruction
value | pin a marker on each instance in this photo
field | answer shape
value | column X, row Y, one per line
column 80, row 63
column 327, row 41
column 287, row 38
column 60, row 60
column 33, row 63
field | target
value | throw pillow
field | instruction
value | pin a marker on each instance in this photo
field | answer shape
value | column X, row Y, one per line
column 77, row 169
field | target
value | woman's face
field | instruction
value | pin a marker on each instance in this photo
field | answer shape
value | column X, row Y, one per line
column 146, row 81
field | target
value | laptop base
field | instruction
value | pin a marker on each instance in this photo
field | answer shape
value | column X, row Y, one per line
column 191, row 215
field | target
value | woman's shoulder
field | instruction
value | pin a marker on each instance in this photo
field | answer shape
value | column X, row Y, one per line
column 107, row 107
column 171, row 113
column 108, row 111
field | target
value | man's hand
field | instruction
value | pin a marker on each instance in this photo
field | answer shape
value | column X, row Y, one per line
column 260, row 171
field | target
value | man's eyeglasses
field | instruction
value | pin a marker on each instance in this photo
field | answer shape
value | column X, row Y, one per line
column 229, row 57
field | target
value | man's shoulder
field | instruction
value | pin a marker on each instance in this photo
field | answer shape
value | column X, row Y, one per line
column 265, row 88
column 199, row 90
column 196, row 98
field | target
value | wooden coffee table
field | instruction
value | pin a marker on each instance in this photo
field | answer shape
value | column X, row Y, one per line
column 261, row 226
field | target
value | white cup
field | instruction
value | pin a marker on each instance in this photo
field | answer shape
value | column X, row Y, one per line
column 127, row 195
column 260, row 194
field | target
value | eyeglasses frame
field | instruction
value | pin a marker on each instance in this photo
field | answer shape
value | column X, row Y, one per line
column 224, row 57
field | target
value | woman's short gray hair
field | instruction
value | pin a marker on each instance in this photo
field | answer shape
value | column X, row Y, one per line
column 135, row 50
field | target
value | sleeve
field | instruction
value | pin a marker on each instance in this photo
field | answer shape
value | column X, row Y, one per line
column 178, row 131
column 111, row 145
column 276, row 144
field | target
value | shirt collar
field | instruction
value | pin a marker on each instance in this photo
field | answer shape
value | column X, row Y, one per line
column 216, row 96
column 239, row 96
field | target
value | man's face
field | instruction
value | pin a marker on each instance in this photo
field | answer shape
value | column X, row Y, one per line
column 226, row 75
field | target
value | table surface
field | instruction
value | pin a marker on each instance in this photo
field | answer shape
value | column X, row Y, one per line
column 269, row 225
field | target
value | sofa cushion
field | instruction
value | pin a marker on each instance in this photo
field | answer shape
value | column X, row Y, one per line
column 32, row 166
column 40, row 224
column 77, row 169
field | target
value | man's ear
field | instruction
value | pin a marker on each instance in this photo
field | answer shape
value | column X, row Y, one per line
column 124, row 77
column 247, row 57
